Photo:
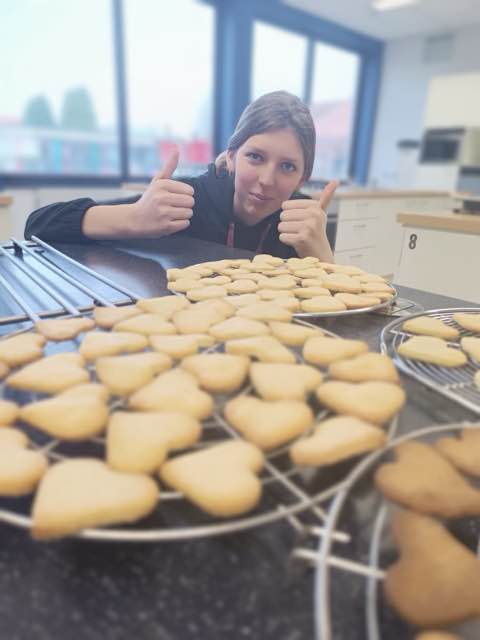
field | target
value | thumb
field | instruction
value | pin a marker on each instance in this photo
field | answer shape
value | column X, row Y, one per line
column 169, row 167
column 327, row 194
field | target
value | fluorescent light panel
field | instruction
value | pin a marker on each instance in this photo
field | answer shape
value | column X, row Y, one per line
column 388, row 5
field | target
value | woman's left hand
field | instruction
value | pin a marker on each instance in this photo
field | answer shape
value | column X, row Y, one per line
column 303, row 225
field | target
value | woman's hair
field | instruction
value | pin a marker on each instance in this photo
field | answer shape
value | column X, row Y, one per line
column 274, row 111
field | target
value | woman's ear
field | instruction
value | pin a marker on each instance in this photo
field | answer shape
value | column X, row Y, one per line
column 230, row 160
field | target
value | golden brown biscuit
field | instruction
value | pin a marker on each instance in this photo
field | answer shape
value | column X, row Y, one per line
column 242, row 274
column 310, row 272
column 288, row 302
column 273, row 294
column 163, row 305
column 214, row 280
column 59, row 329
column 221, row 480
column 100, row 343
column 365, row 367
column 218, row 372
column 346, row 269
column 369, row 277
column 336, row 439
column 236, row 327
column 51, row 374
column 96, row 496
column 123, row 375
column 263, row 348
column 427, row 326
column 69, row 417
column 281, row 282
column 175, row 390
column 88, row 390
column 268, row 424
column 20, row 468
column 469, row 321
column 8, row 412
column 357, row 300
column 463, row 452
column 207, row 293
column 311, row 292
column 196, row 320
column 266, row 258
column 139, row 442
column 311, row 282
column 322, row 304
column 219, row 305
column 432, row 350
column 342, row 282
column 184, row 285
column 472, row 347
column 423, row 480
column 21, row 349
column 106, row 317
column 436, row 581
column 146, row 324
column 176, row 347
column 301, row 263
column 376, row 402
column 284, row 381
column 323, row 350
column 242, row 286
column 265, row 311
column 293, row 335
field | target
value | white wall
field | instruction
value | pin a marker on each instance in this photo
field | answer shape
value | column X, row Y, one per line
column 403, row 95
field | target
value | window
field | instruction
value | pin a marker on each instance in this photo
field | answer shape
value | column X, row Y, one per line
column 57, row 104
column 169, row 58
column 278, row 61
column 332, row 106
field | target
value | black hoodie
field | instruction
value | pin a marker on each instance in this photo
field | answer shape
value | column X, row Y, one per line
column 212, row 215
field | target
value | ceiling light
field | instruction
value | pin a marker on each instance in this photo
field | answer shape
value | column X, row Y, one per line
column 387, row 5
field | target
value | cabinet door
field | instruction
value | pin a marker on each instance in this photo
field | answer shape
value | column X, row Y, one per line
column 352, row 234
column 357, row 257
column 353, row 208
column 440, row 262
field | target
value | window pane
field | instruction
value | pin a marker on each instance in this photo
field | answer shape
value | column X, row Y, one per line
column 170, row 83
column 333, row 103
column 57, row 104
column 278, row 61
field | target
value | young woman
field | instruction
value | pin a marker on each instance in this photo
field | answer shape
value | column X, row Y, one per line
column 250, row 200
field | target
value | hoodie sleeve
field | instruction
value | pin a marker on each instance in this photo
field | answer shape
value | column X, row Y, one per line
column 62, row 221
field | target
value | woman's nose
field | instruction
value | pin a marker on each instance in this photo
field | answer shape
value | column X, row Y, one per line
column 266, row 176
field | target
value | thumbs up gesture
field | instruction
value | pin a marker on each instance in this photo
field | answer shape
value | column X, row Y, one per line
column 165, row 207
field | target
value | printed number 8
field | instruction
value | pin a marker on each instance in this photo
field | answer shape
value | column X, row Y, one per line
column 413, row 241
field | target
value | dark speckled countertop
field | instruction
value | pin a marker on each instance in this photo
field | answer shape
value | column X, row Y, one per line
column 242, row 586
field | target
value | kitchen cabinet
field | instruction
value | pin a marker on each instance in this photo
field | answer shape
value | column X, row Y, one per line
column 440, row 253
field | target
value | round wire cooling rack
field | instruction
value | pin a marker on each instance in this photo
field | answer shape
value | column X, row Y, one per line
column 455, row 383
column 287, row 490
column 351, row 605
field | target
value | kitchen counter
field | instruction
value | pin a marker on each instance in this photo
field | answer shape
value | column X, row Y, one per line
column 443, row 220
column 355, row 194
column 241, row 586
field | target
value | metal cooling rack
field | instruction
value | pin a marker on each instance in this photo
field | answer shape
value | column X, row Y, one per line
column 456, row 383
column 351, row 605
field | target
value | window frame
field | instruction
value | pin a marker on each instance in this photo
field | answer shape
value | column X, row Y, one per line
column 233, row 54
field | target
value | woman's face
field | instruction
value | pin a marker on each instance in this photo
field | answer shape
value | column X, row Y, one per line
column 268, row 168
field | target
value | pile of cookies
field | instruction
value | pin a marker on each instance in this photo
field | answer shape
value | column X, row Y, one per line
column 438, row 342
column 436, row 580
column 302, row 285
column 169, row 365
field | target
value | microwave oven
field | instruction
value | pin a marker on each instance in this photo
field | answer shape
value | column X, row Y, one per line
column 459, row 146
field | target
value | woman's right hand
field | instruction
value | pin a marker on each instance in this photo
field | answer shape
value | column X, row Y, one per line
column 165, row 207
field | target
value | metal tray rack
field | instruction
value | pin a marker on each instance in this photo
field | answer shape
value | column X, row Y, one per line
column 349, row 602
column 288, row 491
column 455, row 383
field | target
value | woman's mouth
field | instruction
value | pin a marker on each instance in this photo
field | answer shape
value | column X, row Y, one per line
column 259, row 197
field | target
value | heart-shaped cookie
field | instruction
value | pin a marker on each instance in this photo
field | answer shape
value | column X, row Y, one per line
column 175, row 390
column 357, row 300
column 67, row 417
column 469, row 321
column 21, row 349
column 341, row 282
column 310, row 272
column 425, row 481
column 140, row 441
column 221, row 480
column 8, row 412
column 51, row 374
column 106, row 317
column 100, row 343
column 375, row 402
column 284, row 381
column 336, row 439
column 125, row 374
column 428, row 326
column 268, row 424
column 242, row 286
column 323, row 350
column 218, row 372
column 236, row 327
column 293, row 335
column 265, row 311
column 177, row 346
column 365, row 367
column 59, row 329
column 89, row 390
column 243, row 299
column 20, row 468
column 163, row 305
column 196, row 319
column 463, row 452
column 322, row 304
column 436, row 581
column 146, row 324
column 81, row 493
column 263, row 348
column 209, row 292
column 472, row 347
column 432, row 350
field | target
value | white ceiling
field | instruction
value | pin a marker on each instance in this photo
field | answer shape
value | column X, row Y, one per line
column 428, row 16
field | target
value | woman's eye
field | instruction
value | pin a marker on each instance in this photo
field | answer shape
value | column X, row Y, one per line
column 288, row 167
column 256, row 157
